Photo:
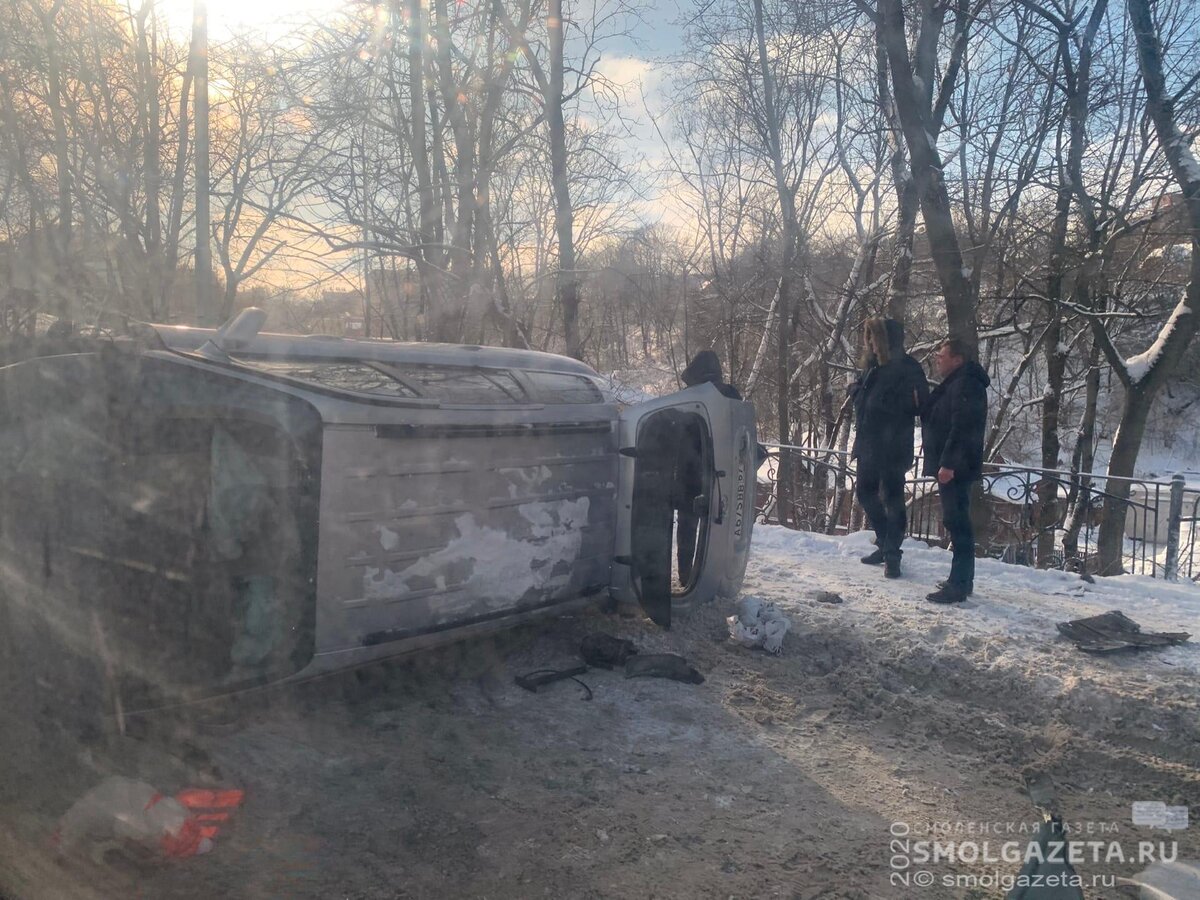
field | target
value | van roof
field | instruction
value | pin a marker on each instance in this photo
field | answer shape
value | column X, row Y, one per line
column 314, row 347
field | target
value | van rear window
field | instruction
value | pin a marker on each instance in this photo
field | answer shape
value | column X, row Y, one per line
column 558, row 387
column 342, row 376
column 458, row 385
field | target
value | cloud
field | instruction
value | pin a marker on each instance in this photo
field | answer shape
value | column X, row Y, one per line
column 629, row 71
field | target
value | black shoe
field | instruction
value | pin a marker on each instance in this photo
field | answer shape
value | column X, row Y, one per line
column 873, row 559
column 947, row 594
column 968, row 590
column 891, row 567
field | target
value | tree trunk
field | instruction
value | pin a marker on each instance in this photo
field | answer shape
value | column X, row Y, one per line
column 204, row 300
column 1110, row 543
column 1083, row 458
column 1047, row 490
column 783, row 318
column 178, row 199
column 1176, row 335
column 917, row 121
column 427, row 215
column 567, row 286
column 61, row 244
column 457, row 107
column 1077, row 78
column 153, row 276
column 907, row 198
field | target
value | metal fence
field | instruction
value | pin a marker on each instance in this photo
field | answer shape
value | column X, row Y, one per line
column 1027, row 516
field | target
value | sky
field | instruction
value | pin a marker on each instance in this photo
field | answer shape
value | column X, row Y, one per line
column 637, row 62
column 229, row 17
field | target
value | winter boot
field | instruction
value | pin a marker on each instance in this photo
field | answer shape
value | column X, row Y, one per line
column 968, row 589
column 891, row 565
column 874, row 558
column 949, row 593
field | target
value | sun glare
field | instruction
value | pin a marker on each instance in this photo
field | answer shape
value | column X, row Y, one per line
column 269, row 18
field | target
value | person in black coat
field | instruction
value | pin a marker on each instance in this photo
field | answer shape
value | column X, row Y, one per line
column 952, row 428
column 887, row 395
column 705, row 367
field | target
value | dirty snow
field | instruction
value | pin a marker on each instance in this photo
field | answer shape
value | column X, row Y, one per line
column 1015, row 607
column 780, row 776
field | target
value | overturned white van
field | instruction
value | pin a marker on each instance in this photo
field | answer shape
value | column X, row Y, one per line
column 211, row 510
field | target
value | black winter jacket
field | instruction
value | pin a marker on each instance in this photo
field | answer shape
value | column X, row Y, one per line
column 705, row 367
column 886, row 398
column 953, row 422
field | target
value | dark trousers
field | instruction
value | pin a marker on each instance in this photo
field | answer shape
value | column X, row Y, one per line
column 880, row 490
column 956, row 518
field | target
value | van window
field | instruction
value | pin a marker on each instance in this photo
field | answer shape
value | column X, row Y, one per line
column 558, row 387
column 452, row 384
column 361, row 378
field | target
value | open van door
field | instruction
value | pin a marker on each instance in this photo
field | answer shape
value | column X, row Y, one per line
column 683, row 520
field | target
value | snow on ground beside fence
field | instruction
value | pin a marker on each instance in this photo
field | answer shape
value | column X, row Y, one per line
column 1013, row 611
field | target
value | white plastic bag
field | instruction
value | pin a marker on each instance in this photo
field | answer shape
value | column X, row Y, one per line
column 758, row 624
column 122, row 809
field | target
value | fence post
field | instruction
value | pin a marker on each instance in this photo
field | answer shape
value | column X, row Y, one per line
column 1174, row 517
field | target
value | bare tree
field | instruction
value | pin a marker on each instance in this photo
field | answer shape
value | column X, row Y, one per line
column 1145, row 374
column 919, row 116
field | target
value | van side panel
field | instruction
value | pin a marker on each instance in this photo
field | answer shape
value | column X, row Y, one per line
column 427, row 528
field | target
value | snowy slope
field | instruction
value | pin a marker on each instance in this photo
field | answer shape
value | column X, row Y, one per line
column 1011, row 616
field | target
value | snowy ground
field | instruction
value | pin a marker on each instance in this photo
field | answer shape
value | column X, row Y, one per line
column 1014, row 606
column 779, row 776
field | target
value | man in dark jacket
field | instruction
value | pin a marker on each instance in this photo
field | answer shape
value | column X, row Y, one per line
column 705, row 367
column 952, row 427
column 887, row 396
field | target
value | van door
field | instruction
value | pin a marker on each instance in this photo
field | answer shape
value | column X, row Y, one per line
column 682, row 532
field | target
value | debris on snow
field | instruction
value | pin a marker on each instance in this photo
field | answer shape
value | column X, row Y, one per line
column 605, row 651
column 122, row 812
column 760, row 624
column 531, row 681
column 1115, row 631
column 662, row 665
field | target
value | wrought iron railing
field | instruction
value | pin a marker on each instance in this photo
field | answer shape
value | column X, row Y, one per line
column 1023, row 515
